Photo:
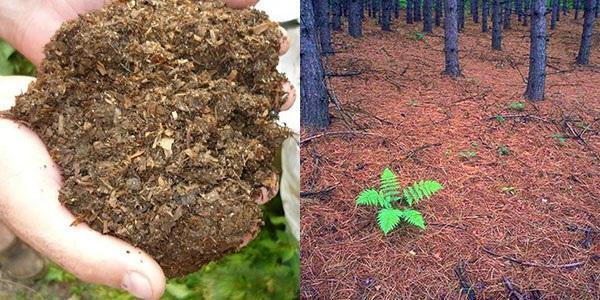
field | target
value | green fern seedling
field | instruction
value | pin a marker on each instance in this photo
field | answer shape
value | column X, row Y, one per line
column 395, row 203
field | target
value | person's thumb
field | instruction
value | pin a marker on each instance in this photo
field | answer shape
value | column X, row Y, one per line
column 29, row 189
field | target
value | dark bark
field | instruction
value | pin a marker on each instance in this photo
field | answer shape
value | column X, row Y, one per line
column 537, row 53
column 321, row 16
column 507, row 14
column 354, row 19
column 386, row 14
column 589, row 12
column 597, row 8
column 396, row 9
column 409, row 11
column 485, row 12
column 452, row 67
column 417, row 10
column 427, row 21
column 375, row 7
column 314, row 104
column 576, row 5
column 336, row 15
column 496, row 29
column 460, row 17
column 438, row 12
column 554, row 16
column 565, row 7
column 475, row 11
column 519, row 10
column 526, row 6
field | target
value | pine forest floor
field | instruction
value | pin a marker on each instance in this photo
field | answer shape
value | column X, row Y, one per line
column 531, row 218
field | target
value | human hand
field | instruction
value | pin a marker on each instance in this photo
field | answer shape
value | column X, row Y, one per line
column 30, row 182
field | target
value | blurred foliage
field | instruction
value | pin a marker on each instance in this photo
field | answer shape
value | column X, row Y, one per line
column 12, row 62
column 268, row 268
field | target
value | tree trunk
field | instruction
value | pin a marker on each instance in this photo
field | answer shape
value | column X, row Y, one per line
column 597, row 8
column 526, row 5
column 451, row 39
column 354, row 19
column 409, row 11
column 475, row 10
column 396, row 9
column 438, row 12
column 375, row 8
column 322, row 21
column 507, row 14
column 519, row 10
column 336, row 15
column 576, row 4
column 485, row 12
column 427, row 21
column 417, row 10
column 589, row 12
column 461, row 14
column 314, row 104
column 537, row 53
column 565, row 7
column 386, row 14
column 554, row 16
column 496, row 29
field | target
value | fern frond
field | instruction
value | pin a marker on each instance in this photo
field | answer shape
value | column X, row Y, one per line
column 389, row 187
column 413, row 217
column 419, row 190
column 368, row 197
column 388, row 219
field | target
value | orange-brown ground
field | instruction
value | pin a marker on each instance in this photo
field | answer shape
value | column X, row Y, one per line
column 420, row 122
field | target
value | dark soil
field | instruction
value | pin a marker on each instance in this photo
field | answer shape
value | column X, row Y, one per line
column 531, row 217
column 161, row 115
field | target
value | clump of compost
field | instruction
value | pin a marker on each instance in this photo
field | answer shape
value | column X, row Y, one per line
column 161, row 115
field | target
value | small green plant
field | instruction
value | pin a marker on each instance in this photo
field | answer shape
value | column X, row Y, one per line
column 413, row 103
column 390, row 193
column 503, row 150
column 474, row 144
column 467, row 154
column 419, row 36
column 517, row 105
column 500, row 119
column 561, row 139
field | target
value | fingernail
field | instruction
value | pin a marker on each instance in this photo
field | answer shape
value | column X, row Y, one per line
column 137, row 284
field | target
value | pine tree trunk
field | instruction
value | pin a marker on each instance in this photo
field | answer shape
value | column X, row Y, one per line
column 519, row 10
column 496, row 29
column 537, row 53
column 336, row 15
column 485, row 12
column 565, row 7
column 314, row 104
column 427, row 21
column 507, row 14
column 409, row 11
column 438, row 12
column 451, row 39
column 576, row 4
column 461, row 14
column 354, row 19
column 475, row 11
column 386, row 14
column 417, row 10
column 526, row 16
column 396, row 9
column 322, row 21
column 589, row 12
column 554, row 16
